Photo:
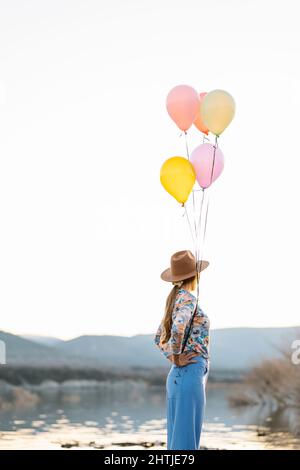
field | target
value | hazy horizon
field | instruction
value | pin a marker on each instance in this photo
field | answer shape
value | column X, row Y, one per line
column 136, row 334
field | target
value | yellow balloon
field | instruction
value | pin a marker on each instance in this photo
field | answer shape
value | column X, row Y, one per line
column 177, row 175
column 217, row 110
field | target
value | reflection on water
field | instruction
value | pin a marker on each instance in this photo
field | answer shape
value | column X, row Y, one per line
column 135, row 417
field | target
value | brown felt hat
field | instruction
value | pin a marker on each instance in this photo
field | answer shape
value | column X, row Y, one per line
column 183, row 266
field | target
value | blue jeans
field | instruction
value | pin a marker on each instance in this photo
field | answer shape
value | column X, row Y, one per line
column 186, row 400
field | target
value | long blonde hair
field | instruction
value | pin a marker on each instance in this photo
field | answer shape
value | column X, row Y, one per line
column 188, row 284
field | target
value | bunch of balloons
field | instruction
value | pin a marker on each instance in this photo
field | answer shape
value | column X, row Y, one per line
column 211, row 113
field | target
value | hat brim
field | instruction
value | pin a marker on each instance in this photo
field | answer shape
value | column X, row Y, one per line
column 166, row 275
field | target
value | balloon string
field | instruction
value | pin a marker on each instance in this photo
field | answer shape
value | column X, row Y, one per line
column 186, row 145
column 214, row 157
column 200, row 212
column 201, row 250
column 199, row 246
column 200, row 217
column 203, row 241
column 188, row 219
column 198, row 270
column 193, row 196
column 206, row 214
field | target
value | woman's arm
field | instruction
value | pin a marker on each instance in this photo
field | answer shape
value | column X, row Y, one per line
column 177, row 359
column 164, row 347
column 180, row 321
column 181, row 317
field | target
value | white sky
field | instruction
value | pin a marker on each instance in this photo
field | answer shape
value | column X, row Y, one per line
column 86, row 227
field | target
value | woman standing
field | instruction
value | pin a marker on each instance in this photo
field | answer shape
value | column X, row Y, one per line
column 183, row 337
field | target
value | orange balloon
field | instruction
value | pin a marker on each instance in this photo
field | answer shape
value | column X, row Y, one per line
column 198, row 120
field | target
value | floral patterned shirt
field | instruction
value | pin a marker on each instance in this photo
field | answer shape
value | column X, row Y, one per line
column 198, row 340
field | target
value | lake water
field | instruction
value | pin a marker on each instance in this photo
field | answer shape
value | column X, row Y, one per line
column 133, row 416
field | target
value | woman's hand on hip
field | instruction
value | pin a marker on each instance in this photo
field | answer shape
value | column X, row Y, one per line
column 183, row 359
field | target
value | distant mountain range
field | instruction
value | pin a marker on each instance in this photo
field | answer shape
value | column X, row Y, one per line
column 231, row 349
column 46, row 340
column 24, row 352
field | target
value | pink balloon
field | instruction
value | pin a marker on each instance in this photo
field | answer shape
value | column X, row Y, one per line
column 202, row 160
column 182, row 105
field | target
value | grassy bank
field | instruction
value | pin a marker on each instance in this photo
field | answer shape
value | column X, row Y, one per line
column 21, row 375
column 274, row 381
column 35, row 375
